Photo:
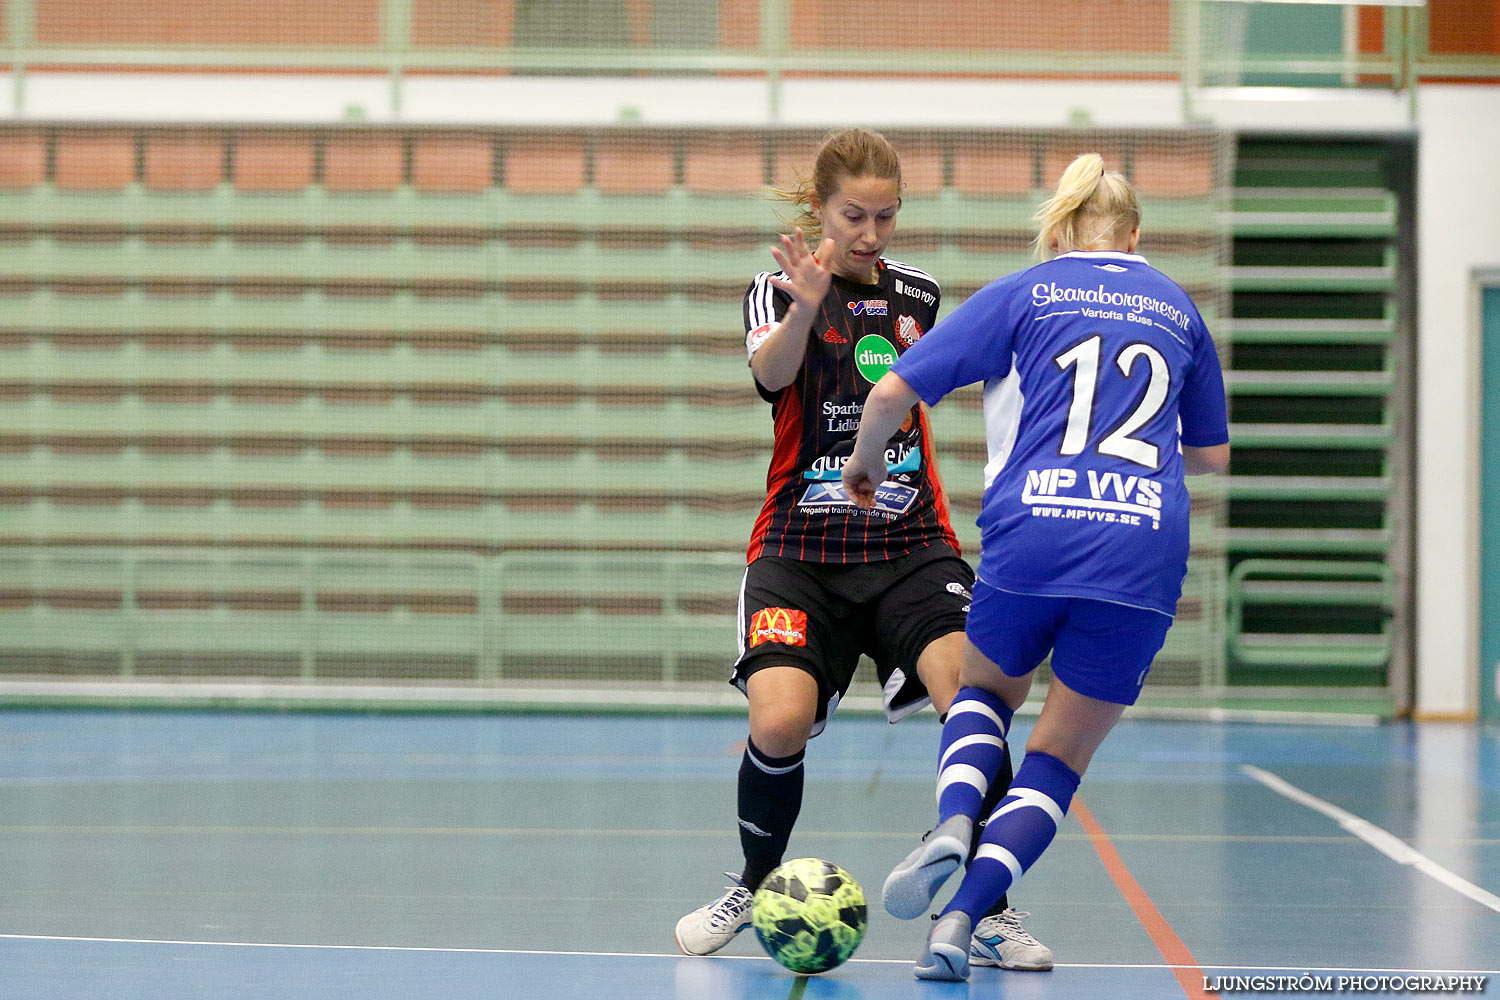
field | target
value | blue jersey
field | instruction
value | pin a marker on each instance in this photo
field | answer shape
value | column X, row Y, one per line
column 1097, row 366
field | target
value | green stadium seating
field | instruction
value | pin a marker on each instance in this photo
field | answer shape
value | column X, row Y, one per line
column 321, row 615
column 431, row 401
column 1323, row 583
column 1316, row 412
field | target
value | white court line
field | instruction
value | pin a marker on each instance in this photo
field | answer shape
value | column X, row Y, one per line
column 1383, row 841
column 138, row 829
column 677, row 955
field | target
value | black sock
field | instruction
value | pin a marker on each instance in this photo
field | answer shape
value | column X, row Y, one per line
column 992, row 796
column 770, row 796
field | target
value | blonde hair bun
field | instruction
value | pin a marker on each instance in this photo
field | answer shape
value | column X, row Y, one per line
column 1092, row 209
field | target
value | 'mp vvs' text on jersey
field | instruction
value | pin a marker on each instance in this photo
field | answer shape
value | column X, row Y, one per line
column 859, row 332
column 1097, row 368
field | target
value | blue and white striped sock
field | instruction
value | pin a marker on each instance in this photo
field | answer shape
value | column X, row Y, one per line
column 971, row 752
column 1018, row 831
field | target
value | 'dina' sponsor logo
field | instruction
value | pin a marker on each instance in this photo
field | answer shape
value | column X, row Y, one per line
column 873, row 356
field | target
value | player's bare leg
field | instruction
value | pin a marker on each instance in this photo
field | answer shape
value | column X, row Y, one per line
column 783, row 707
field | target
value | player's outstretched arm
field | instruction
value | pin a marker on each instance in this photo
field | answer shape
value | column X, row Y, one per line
column 886, row 407
column 1198, row 461
column 779, row 359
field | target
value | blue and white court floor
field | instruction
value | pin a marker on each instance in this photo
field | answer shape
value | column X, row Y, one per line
column 199, row 855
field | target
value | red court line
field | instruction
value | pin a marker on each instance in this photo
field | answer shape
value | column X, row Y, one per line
column 1189, row 974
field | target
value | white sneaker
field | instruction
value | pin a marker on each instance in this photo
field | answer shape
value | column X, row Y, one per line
column 1001, row 940
column 911, row 884
column 947, row 953
column 713, row 925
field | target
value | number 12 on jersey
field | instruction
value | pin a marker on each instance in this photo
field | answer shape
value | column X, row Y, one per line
column 1083, row 358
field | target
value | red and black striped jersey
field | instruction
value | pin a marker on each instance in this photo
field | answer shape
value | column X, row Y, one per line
column 858, row 335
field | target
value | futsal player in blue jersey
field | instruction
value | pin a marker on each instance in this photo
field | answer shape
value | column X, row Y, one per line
column 1102, row 390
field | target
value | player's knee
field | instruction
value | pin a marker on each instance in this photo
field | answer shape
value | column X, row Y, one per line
column 938, row 668
column 781, row 733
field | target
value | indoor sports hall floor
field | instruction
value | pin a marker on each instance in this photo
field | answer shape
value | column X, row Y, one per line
column 198, row 855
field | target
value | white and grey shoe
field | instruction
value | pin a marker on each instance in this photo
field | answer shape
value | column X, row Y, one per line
column 1001, row 940
column 946, row 955
column 912, row 884
column 713, row 925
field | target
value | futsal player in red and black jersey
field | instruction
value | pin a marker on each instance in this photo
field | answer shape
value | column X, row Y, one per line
column 828, row 580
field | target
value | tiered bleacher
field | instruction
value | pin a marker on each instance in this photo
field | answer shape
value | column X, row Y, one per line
column 462, row 406
column 1318, row 386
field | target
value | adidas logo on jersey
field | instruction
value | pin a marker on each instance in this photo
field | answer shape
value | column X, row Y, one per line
column 832, row 336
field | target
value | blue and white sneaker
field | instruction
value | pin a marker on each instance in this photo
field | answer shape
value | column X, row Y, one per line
column 1000, row 940
column 713, row 925
column 912, row 884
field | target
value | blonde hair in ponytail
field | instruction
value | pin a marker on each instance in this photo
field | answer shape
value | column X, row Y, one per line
column 1093, row 209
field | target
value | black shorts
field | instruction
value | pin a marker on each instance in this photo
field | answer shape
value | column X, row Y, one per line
column 820, row 617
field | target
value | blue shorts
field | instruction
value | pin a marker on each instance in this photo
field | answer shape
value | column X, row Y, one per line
column 1099, row 649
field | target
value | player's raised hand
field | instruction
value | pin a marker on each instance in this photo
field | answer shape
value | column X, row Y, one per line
column 861, row 480
column 807, row 277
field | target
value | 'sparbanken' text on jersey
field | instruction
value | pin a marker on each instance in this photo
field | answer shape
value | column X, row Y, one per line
column 855, row 339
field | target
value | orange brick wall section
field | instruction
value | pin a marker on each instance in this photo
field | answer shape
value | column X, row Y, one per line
column 1371, row 29
column 453, row 164
column 1032, row 25
column 638, row 12
column 1455, row 27
column 184, row 161
column 95, row 161
column 197, row 22
column 23, row 159
column 272, row 161
column 463, row 23
column 1463, row 27
column 369, row 162
column 739, row 24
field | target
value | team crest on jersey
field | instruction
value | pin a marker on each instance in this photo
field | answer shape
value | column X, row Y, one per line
column 756, row 337
column 908, row 330
column 870, row 307
column 782, row 625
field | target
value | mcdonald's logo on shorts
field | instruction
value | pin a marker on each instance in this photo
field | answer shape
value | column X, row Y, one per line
column 781, row 625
